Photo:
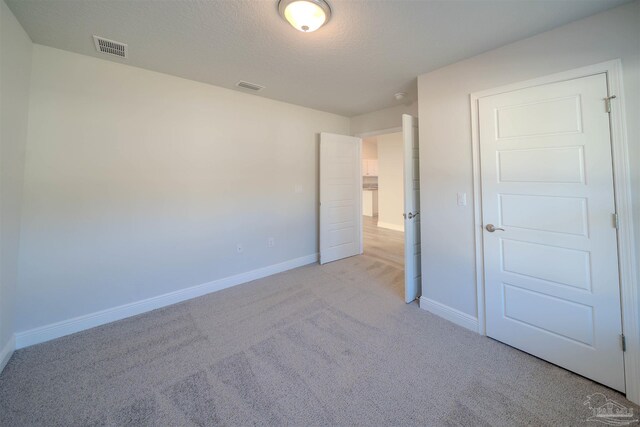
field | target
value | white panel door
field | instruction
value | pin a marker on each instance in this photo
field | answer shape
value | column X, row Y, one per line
column 412, row 276
column 340, row 192
column 551, row 268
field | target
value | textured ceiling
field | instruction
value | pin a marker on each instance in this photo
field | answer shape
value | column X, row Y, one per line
column 368, row 51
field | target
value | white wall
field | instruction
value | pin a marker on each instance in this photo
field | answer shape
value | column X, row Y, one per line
column 138, row 184
column 387, row 118
column 15, row 66
column 448, row 268
column 390, row 181
column 370, row 148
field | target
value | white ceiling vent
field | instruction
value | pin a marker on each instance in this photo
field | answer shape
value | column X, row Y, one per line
column 250, row 86
column 110, row 46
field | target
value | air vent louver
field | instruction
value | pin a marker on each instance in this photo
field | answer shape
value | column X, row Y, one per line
column 110, row 47
column 250, row 86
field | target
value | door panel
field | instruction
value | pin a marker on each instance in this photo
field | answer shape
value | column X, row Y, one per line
column 544, row 213
column 548, row 165
column 551, row 274
column 553, row 116
column 412, row 273
column 340, row 188
column 518, row 304
column 559, row 265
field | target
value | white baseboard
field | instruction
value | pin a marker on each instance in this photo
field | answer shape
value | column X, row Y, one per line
column 390, row 226
column 450, row 314
column 87, row 321
column 7, row 352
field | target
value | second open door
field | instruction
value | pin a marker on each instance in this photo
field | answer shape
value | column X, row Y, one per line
column 412, row 275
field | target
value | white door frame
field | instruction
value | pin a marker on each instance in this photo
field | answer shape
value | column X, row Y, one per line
column 622, row 189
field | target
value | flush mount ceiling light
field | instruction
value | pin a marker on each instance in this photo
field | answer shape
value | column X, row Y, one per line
column 305, row 15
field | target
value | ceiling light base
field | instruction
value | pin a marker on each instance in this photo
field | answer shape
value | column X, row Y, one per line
column 400, row 96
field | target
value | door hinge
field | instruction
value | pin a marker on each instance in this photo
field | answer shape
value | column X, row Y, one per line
column 616, row 221
column 607, row 102
column 623, row 342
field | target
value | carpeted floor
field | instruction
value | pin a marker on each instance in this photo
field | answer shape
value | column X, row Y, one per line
column 330, row 345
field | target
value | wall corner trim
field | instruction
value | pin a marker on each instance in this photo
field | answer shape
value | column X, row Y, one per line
column 7, row 352
column 66, row 327
column 449, row 313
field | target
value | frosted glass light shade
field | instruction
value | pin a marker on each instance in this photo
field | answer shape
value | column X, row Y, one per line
column 305, row 15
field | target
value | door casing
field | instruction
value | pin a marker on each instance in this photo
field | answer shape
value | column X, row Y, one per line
column 622, row 193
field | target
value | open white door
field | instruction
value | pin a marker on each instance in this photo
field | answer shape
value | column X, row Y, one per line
column 412, row 275
column 340, row 189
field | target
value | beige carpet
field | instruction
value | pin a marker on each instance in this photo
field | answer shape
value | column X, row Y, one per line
column 331, row 345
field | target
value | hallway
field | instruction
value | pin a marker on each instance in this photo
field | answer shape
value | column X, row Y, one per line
column 383, row 244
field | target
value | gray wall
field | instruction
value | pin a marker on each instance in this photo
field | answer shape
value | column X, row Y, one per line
column 448, row 268
column 138, row 184
column 15, row 67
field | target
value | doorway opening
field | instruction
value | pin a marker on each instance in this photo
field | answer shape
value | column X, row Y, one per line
column 387, row 179
column 382, row 199
column 391, row 203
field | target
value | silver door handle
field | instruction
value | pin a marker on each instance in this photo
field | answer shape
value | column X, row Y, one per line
column 411, row 215
column 491, row 228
